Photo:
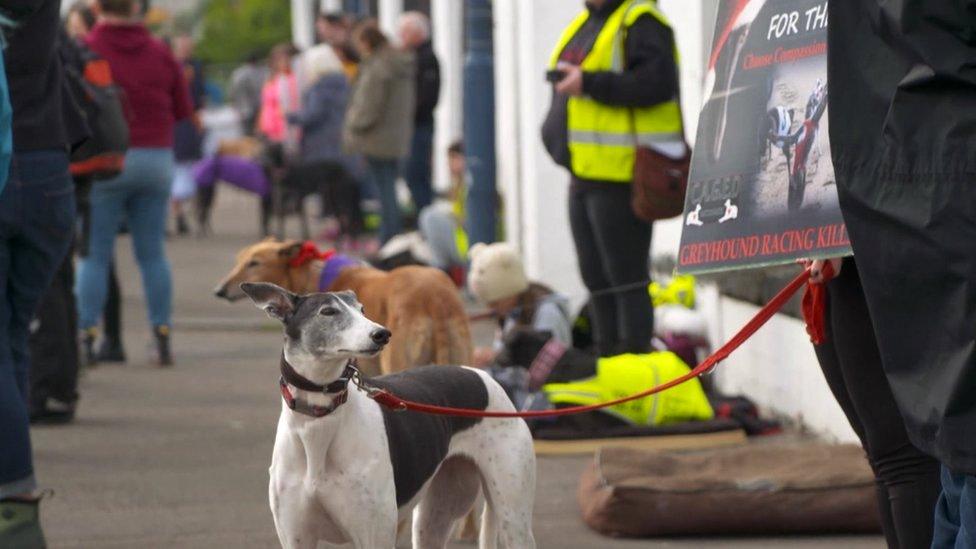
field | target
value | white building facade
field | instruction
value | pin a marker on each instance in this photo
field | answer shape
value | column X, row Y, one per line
column 777, row 368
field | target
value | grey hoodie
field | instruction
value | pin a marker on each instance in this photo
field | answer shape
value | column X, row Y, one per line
column 379, row 122
column 551, row 315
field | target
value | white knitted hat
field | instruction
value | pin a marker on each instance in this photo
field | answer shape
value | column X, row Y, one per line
column 496, row 272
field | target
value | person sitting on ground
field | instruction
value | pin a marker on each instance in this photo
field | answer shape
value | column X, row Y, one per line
column 442, row 223
column 497, row 279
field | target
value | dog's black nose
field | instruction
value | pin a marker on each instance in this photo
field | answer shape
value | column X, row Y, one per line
column 221, row 292
column 381, row 336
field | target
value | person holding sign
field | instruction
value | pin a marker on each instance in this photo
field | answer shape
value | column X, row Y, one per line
column 902, row 120
column 907, row 480
column 606, row 103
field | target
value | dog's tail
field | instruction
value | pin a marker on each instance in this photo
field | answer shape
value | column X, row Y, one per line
column 411, row 344
column 441, row 336
column 451, row 334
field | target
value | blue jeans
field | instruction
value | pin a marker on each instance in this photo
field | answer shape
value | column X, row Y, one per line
column 37, row 216
column 140, row 195
column 955, row 514
column 416, row 169
column 384, row 175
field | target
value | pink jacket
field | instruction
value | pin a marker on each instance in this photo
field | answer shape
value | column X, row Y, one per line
column 274, row 108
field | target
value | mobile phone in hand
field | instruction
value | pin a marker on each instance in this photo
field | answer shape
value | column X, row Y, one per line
column 554, row 75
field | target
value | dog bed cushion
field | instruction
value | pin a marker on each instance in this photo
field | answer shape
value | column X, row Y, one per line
column 750, row 490
column 586, row 446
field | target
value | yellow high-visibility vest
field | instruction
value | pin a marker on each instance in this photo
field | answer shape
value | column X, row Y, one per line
column 623, row 375
column 603, row 138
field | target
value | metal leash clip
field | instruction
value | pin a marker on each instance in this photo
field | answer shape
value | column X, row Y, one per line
column 359, row 380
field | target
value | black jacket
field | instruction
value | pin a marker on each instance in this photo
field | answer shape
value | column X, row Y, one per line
column 650, row 75
column 428, row 84
column 902, row 92
column 45, row 113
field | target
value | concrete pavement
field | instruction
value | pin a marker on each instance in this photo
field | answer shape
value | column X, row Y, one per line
column 178, row 457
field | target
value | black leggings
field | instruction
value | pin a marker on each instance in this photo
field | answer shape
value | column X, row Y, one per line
column 613, row 247
column 907, row 480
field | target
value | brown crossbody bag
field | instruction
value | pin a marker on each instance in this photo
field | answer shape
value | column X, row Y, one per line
column 659, row 183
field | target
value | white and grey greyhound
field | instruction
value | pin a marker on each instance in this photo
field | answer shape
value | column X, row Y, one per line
column 346, row 470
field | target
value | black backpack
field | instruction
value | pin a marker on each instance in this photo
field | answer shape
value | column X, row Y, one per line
column 102, row 101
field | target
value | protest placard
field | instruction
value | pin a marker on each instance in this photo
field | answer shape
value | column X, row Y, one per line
column 762, row 190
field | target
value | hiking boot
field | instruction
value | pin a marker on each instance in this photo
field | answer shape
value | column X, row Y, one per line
column 88, row 354
column 163, row 355
column 52, row 412
column 110, row 350
column 20, row 525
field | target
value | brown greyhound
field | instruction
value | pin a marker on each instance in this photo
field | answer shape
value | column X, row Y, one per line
column 420, row 305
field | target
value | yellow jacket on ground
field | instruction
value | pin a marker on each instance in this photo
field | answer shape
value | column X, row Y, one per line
column 623, row 375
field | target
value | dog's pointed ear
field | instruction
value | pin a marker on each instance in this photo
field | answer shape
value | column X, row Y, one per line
column 290, row 249
column 278, row 302
column 348, row 296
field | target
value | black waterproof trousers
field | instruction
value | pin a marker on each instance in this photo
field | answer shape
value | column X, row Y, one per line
column 613, row 248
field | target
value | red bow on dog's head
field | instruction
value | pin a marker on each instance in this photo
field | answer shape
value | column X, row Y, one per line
column 309, row 252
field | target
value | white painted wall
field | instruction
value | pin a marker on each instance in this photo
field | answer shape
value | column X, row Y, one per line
column 329, row 6
column 387, row 12
column 447, row 22
column 535, row 188
column 777, row 369
column 303, row 22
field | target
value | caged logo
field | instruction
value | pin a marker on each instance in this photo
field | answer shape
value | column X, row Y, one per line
column 715, row 191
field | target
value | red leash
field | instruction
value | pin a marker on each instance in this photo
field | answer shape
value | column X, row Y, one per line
column 394, row 402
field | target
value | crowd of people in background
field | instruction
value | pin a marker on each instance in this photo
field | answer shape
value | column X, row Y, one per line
column 346, row 118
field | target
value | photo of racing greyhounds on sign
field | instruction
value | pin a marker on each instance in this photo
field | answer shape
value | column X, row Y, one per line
column 791, row 141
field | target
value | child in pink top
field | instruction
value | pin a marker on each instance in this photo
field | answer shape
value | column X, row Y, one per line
column 278, row 97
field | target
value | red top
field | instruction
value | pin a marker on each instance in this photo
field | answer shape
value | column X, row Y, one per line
column 156, row 93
